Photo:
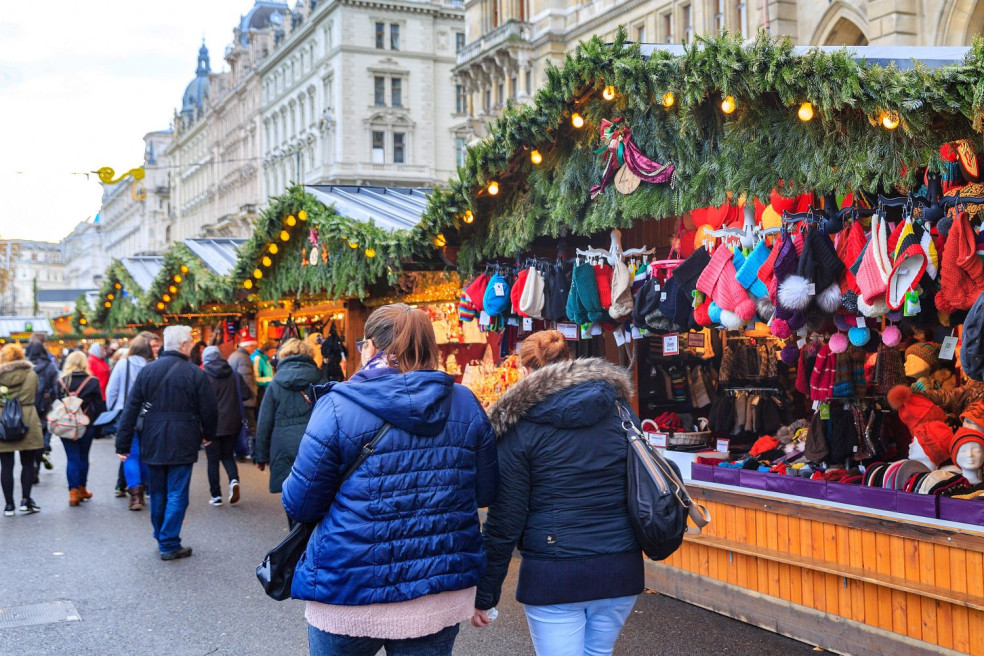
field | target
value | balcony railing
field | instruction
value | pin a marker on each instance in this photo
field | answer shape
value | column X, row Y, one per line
column 511, row 31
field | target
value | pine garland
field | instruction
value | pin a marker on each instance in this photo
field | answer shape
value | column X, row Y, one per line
column 127, row 307
column 199, row 285
column 82, row 309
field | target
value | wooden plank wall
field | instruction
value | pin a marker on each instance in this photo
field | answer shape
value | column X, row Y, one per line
column 907, row 579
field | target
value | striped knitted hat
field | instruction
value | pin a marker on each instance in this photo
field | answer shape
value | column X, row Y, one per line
column 910, row 264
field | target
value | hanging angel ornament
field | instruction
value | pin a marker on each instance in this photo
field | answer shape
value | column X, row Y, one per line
column 623, row 162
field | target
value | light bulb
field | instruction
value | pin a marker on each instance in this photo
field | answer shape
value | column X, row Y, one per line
column 728, row 104
column 890, row 120
column 805, row 112
column 266, row 261
column 284, row 235
column 577, row 120
column 110, row 296
column 536, row 157
column 469, row 216
column 107, row 304
column 302, row 215
column 440, row 241
column 273, row 249
column 248, row 284
column 668, row 99
column 184, row 269
column 291, row 221
column 118, row 286
column 257, row 274
column 608, row 93
column 493, row 188
column 166, row 298
column 172, row 289
column 177, row 279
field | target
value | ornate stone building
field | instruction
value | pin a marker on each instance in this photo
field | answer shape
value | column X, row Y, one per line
column 36, row 266
column 85, row 257
column 360, row 92
column 508, row 43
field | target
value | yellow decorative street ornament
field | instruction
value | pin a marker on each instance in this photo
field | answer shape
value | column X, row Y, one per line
column 273, row 249
column 248, row 284
column 106, row 174
column 890, row 120
column 291, row 221
column 266, row 261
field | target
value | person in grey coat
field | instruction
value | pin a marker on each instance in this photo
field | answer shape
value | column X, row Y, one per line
column 241, row 363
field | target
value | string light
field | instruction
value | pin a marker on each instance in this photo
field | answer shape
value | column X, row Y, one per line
column 353, row 244
column 370, row 252
column 273, row 249
column 83, row 321
column 728, row 104
column 668, row 99
column 805, row 112
column 118, row 286
column 110, row 296
column 266, row 261
column 248, row 284
column 440, row 241
column 107, row 304
column 160, row 305
column 291, row 221
column 177, row 279
column 284, row 235
column 257, row 274
column 166, row 298
column 302, row 215
column 609, row 93
column 469, row 216
column 172, row 289
column 493, row 188
column 184, row 269
column 890, row 120
column 577, row 120
column 536, row 157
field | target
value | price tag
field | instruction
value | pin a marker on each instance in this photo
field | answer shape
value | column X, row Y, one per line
column 825, row 411
column 636, row 333
column 499, row 289
column 949, row 348
column 662, row 297
column 912, row 306
column 512, row 321
column 671, row 345
column 659, row 440
column 802, row 342
column 528, row 324
column 619, row 335
column 628, row 335
column 695, row 340
column 568, row 330
column 596, row 329
column 586, row 331
column 816, row 405
column 801, row 332
column 484, row 319
column 811, row 289
column 723, row 446
column 861, row 323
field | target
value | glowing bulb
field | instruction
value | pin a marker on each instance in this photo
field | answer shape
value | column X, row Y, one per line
column 184, row 269
column 107, row 304
column 248, row 284
column 177, row 279
column 440, row 241
column 668, row 99
column 577, row 120
column 284, row 236
column 302, row 215
column 172, row 289
column 469, row 216
column 160, row 305
column 110, row 296
column 118, row 286
column 266, row 261
column 890, row 120
column 493, row 188
column 805, row 112
column 728, row 105
column 257, row 274
column 608, row 93
column 536, row 157
column 83, row 321
column 370, row 252
column 353, row 244
column 273, row 249
column 166, row 298
column 291, row 221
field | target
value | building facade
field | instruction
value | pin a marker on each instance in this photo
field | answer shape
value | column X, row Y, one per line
column 35, row 266
column 508, row 43
column 359, row 92
column 134, row 216
column 84, row 255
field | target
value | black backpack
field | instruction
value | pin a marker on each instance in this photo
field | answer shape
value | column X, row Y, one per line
column 658, row 500
column 12, row 426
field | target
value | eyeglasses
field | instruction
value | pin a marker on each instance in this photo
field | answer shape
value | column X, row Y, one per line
column 359, row 344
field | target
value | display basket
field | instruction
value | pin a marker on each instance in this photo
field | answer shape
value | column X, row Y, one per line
column 680, row 438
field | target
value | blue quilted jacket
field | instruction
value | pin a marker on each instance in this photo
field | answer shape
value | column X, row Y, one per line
column 405, row 524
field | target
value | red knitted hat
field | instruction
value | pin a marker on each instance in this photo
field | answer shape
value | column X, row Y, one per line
column 849, row 246
column 914, row 409
column 516, row 293
column 875, row 267
column 895, row 235
column 910, row 264
column 719, row 281
column 476, row 291
column 603, row 275
column 935, row 437
column 975, row 413
column 964, row 436
column 961, row 270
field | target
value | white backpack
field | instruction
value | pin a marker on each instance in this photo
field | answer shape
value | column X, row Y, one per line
column 67, row 419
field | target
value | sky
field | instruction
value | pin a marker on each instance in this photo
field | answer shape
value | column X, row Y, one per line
column 81, row 83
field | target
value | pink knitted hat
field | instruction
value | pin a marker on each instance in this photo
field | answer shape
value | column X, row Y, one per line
column 719, row 281
column 875, row 269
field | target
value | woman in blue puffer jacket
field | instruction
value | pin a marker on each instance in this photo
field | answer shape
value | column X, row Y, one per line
column 397, row 554
column 563, row 455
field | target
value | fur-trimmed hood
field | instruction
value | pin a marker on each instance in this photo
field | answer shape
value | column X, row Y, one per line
column 540, row 385
column 12, row 374
column 7, row 367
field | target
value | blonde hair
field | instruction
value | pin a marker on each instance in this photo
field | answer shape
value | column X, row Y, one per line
column 294, row 346
column 11, row 353
column 76, row 361
column 543, row 348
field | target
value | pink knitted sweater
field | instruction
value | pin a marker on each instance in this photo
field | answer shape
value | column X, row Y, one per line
column 395, row 621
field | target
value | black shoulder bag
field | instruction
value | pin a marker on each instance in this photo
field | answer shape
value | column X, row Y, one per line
column 276, row 572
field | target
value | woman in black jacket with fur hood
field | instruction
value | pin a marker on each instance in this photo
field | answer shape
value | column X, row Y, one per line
column 562, row 458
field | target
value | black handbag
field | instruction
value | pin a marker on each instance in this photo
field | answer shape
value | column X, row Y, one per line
column 276, row 572
column 659, row 503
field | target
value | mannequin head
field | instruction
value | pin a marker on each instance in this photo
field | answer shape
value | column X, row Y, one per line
column 967, row 452
column 922, row 359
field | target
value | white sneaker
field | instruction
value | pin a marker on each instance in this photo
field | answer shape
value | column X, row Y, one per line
column 215, row 501
column 233, row 491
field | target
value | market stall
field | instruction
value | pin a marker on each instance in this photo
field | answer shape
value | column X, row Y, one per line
column 802, row 332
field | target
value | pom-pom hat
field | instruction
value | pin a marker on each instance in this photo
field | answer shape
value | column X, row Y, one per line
column 910, row 264
column 875, row 268
column 719, row 282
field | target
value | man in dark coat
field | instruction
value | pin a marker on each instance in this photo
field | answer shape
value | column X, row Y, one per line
column 231, row 393
column 179, row 415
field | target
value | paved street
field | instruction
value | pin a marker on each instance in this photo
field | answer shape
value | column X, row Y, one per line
column 103, row 559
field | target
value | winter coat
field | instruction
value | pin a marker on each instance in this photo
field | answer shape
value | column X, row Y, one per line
column 562, row 456
column 262, row 369
column 956, row 400
column 182, row 415
column 225, row 382
column 241, row 363
column 91, row 394
column 22, row 383
column 405, row 524
column 100, row 370
column 115, row 392
column 284, row 414
column 47, row 383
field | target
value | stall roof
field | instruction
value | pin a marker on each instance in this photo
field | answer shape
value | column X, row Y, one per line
column 219, row 255
column 904, row 57
column 391, row 208
column 62, row 295
column 143, row 269
column 12, row 325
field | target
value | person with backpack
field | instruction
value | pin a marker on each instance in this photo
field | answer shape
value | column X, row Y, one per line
column 121, row 381
column 172, row 407
column 79, row 402
column 397, row 551
column 20, row 427
column 562, row 456
column 230, row 394
column 47, row 371
column 285, row 411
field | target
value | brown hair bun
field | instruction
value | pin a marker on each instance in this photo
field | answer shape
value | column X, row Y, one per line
column 543, row 348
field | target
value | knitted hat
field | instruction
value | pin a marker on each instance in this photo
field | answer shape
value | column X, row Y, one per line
column 850, row 246
column 849, row 301
column 785, row 262
column 910, row 264
column 840, row 321
column 928, row 352
column 701, row 315
column 764, row 309
column 210, row 353
column 895, row 236
column 690, row 270
column 914, row 409
column 789, row 353
column 496, row 300
column 891, row 336
column 622, row 302
column 962, row 437
column 929, row 249
column 466, row 309
column 646, row 302
column 794, row 290
column 603, row 278
column 718, row 281
column 517, row 291
column 556, row 290
column 670, row 305
column 933, row 479
column 876, row 267
column 838, row 342
column 532, row 300
column 748, row 274
column 975, row 413
column 584, row 303
column 714, row 312
column 475, row 291
column 961, row 270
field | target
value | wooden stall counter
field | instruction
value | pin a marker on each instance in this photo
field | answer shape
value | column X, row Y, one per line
column 835, row 576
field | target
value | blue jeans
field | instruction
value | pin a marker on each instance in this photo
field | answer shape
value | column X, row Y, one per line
column 168, row 486
column 77, row 452
column 322, row 643
column 588, row 628
column 134, row 470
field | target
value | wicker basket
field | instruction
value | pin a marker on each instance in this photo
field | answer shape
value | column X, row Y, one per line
column 688, row 439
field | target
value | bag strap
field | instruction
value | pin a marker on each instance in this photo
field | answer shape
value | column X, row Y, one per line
column 78, row 390
column 167, row 375
column 126, row 381
column 367, row 451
